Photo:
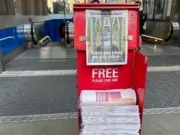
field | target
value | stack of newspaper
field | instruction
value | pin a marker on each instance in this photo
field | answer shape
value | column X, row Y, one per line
column 110, row 112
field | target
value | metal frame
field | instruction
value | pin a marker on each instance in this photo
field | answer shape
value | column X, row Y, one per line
column 2, row 65
column 10, row 56
column 5, row 59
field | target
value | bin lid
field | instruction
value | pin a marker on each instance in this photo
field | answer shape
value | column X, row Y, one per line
column 93, row 6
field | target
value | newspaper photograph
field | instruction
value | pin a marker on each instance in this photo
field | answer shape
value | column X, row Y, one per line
column 106, row 33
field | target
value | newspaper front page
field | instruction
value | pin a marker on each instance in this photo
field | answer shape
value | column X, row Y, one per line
column 106, row 32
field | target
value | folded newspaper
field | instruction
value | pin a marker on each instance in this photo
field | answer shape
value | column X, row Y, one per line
column 110, row 112
column 108, row 97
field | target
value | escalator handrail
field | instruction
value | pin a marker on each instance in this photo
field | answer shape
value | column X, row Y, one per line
column 166, row 39
column 170, row 34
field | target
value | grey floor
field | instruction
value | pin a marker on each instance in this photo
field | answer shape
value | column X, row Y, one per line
column 51, row 127
column 37, row 95
column 52, row 57
column 162, row 55
column 164, row 124
column 57, row 94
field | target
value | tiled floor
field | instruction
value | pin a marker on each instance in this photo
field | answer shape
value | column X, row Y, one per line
column 23, row 95
column 162, row 124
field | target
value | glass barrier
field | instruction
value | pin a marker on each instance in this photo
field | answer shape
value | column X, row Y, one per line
column 161, row 9
column 175, row 11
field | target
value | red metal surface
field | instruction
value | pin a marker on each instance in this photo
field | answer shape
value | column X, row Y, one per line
column 131, row 75
column 139, row 80
column 80, row 22
column 105, row 81
column 92, row 6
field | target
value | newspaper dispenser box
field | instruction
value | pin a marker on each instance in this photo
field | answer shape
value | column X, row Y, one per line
column 106, row 37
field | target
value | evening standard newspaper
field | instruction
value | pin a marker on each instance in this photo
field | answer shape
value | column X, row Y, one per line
column 106, row 33
column 108, row 97
column 101, row 118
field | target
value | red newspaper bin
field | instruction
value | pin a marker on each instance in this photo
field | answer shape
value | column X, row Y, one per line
column 129, row 75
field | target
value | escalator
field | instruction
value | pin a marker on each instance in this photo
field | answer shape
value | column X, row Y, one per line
column 155, row 31
column 160, row 31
